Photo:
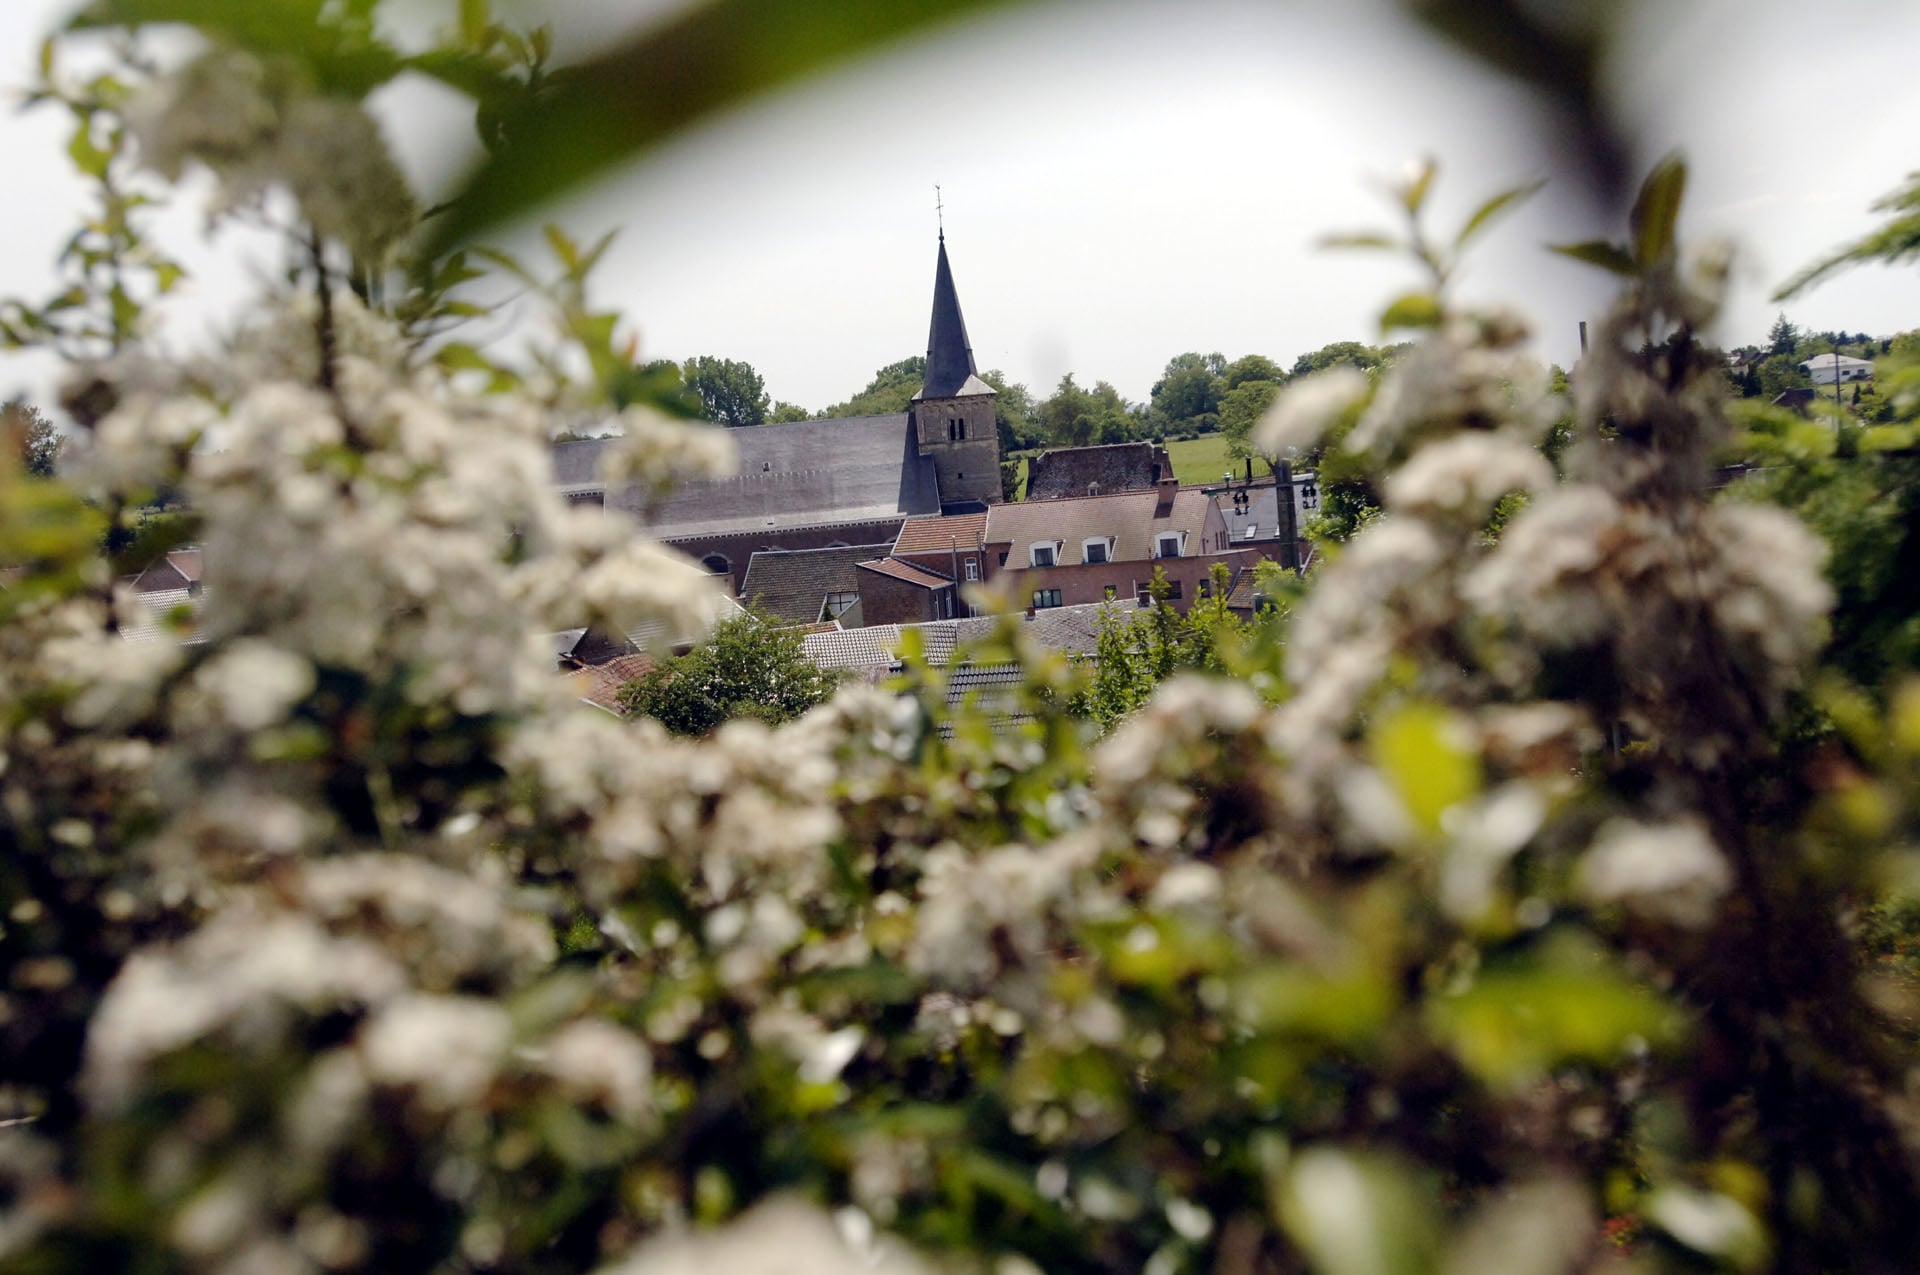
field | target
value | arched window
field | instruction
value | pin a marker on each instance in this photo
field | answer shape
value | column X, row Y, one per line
column 718, row 564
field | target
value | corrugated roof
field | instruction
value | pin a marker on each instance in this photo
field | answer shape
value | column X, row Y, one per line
column 794, row 583
column 158, row 615
column 940, row 534
column 1130, row 519
column 799, row 474
column 853, row 648
column 1112, row 468
column 907, row 572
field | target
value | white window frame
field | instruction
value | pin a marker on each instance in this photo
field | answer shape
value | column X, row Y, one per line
column 1052, row 550
column 971, row 568
column 1160, row 540
column 1103, row 543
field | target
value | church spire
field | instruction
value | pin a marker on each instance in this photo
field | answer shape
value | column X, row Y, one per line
column 949, row 356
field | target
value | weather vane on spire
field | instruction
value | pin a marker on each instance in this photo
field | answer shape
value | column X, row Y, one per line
column 939, row 212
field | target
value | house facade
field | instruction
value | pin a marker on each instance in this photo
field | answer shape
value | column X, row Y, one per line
column 1090, row 549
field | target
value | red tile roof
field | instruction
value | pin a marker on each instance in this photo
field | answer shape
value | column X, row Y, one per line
column 601, row 684
column 938, row 535
column 908, row 572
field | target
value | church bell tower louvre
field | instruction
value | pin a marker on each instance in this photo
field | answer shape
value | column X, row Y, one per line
column 953, row 412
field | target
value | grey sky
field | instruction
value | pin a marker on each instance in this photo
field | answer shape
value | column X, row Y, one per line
column 1125, row 181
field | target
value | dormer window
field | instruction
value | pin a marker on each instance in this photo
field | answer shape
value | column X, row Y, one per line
column 1167, row 544
column 1043, row 553
column 1097, row 549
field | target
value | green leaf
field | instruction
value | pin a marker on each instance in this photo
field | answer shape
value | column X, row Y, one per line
column 1414, row 193
column 1427, row 754
column 1598, row 252
column 563, row 247
column 709, row 58
column 1656, row 211
column 1365, row 239
column 475, row 18
column 87, row 157
column 1414, row 310
column 1486, row 212
column 1514, row 1025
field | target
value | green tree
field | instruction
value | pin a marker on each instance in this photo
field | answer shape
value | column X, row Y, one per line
column 1353, row 353
column 1783, row 339
column 1781, row 372
column 1252, row 367
column 1013, row 412
column 38, row 440
column 729, row 390
column 891, row 390
column 1240, row 409
column 750, row 666
column 783, row 412
column 1187, row 395
column 1077, row 417
column 1067, row 417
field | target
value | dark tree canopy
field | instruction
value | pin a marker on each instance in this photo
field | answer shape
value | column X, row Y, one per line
column 1187, row 395
column 751, row 666
column 891, row 390
column 729, row 390
column 40, row 443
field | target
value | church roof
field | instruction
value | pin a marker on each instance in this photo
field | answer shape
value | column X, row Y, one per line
column 799, row 474
column 950, row 369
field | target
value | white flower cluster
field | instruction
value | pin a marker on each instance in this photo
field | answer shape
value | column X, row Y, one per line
column 257, row 124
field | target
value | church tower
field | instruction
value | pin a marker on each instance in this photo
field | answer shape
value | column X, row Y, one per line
column 953, row 413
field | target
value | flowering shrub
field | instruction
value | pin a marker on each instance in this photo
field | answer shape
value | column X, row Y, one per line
column 336, row 937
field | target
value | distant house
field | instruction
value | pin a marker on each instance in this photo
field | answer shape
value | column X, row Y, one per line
column 179, row 569
column 802, row 586
column 818, row 484
column 954, row 546
column 1263, row 516
column 895, row 591
column 1096, row 471
column 1794, row 400
column 1091, row 549
column 1829, row 369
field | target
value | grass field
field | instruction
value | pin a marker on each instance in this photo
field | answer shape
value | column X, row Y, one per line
column 1202, row 459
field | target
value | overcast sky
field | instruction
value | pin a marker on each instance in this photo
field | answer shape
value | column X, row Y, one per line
column 1126, row 181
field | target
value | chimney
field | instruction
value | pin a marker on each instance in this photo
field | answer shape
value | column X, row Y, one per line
column 1163, row 494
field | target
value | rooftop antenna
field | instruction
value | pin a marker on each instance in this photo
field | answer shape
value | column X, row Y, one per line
column 939, row 212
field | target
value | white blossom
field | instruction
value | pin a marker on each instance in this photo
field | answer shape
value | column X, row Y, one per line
column 1307, row 408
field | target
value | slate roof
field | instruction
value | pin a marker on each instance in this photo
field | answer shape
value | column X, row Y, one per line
column 1261, row 512
column 1130, row 518
column 174, row 570
column 794, row 583
column 1115, row 467
column 1075, row 629
column 907, row 572
column 938, row 535
column 798, row 474
column 950, row 369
